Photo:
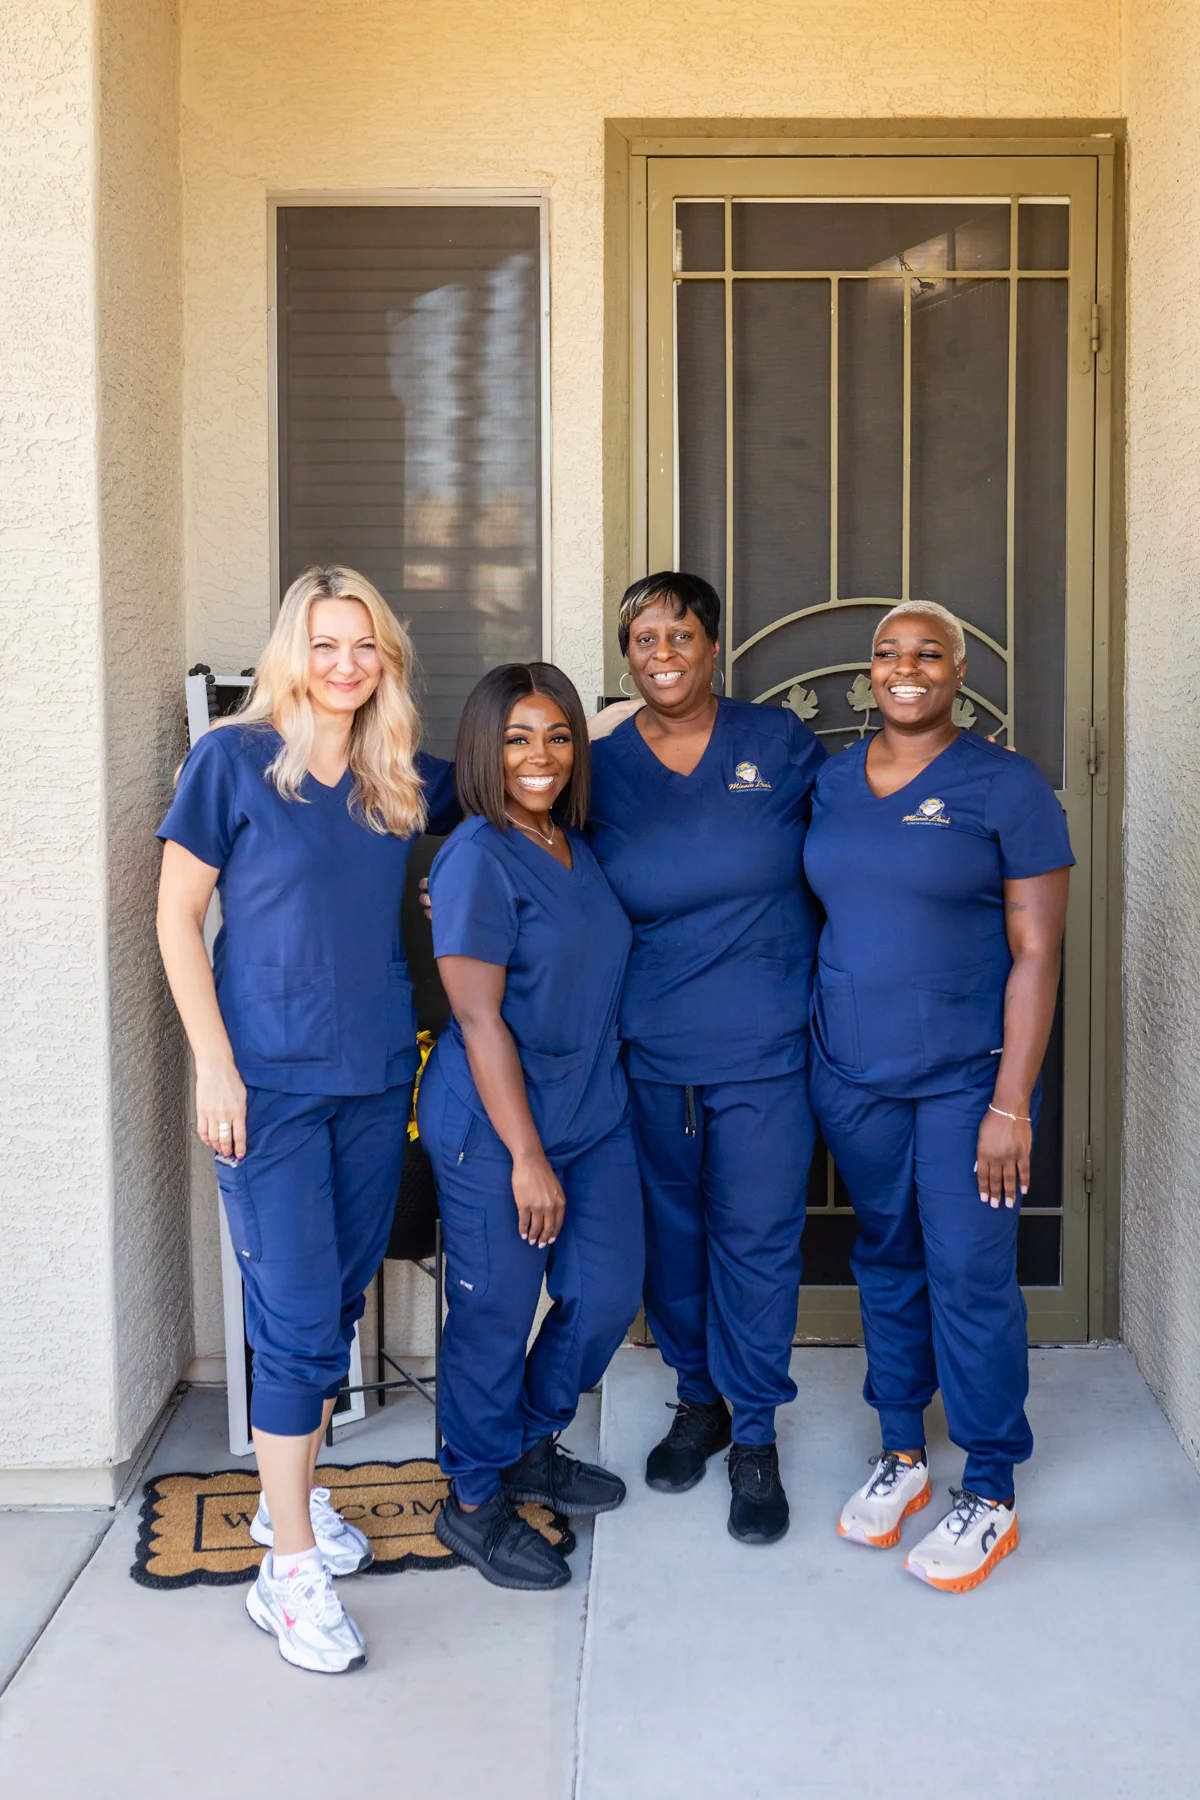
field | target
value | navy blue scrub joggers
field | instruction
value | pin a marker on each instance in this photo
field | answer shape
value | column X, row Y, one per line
column 936, row 1272
column 725, row 1176
column 496, row 1398
column 310, row 1208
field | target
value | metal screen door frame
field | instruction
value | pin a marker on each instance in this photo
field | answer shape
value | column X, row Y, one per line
column 1056, row 1315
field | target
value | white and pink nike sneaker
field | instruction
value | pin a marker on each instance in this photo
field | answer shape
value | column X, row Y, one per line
column 344, row 1549
column 965, row 1547
column 874, row 1515
column 301, row 1608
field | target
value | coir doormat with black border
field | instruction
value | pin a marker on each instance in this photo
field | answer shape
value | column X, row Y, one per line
column 196, row 1528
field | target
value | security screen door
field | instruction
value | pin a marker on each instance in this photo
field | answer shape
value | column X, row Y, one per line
column 871, row 379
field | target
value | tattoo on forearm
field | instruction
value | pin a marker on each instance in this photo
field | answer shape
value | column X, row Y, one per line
column 1014, row 906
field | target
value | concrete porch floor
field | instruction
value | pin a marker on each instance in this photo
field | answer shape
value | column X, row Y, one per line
column 678, row 1665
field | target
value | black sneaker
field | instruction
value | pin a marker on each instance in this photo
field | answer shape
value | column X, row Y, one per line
column 553, row 1477
column 699, row 1429
column 758, row 1508
column 496, row 1540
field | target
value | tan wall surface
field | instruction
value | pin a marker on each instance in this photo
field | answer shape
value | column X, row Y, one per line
column 141, row 418
column 290, row 95
column 56, row 1323
column 286, row 95
column 95, row 1323
column 1161, row 1249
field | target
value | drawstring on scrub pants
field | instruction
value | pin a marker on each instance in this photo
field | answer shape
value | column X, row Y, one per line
column 689, row 1112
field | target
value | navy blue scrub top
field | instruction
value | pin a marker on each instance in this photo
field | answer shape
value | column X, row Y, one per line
column 309, row 963
column 914, row 958
column 564, row 941
column 710, row 868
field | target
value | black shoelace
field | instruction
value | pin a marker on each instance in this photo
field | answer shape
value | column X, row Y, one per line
column 690, row 1426
column 559, row 1456
column 752, row 1470
column 967, row 1508
column 507, row 1526
column 887, row 1472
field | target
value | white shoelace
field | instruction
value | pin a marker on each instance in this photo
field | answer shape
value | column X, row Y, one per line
column 314, row 1594
column 331, row 1521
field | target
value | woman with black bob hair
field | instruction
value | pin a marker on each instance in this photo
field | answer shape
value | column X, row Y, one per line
column 524, row 1112
column 700, row 806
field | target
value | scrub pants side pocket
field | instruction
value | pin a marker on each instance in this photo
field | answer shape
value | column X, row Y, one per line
column 233, row 1185
column 464, row 1219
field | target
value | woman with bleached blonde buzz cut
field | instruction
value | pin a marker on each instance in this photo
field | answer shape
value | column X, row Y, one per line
column 302, row 810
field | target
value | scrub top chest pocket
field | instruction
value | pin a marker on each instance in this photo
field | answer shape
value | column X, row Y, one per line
column 914, row 959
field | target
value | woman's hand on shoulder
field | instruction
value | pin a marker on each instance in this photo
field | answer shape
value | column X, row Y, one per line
column 601, row 724
column 541, row 1203
column 221, row 1100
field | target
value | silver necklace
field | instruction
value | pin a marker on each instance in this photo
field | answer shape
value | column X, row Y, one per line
column 533, row 830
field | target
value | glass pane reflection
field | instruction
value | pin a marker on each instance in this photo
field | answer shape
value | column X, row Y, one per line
column 409, row 424
column 870, row 234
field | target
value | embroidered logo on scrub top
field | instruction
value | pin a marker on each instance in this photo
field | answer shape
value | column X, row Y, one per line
column 930, row 812
column 748, row 778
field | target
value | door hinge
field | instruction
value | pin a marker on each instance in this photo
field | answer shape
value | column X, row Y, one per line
column 1089, row 1170
column 1093, row 765
column 1096, row 329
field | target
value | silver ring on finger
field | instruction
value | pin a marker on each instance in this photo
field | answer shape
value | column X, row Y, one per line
column 224, row 1130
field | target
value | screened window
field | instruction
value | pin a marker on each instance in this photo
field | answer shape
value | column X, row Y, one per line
column 409, row 424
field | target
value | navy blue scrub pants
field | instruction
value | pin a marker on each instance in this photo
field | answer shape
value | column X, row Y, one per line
column 725, row 1180
column 495, row 1398
column 310, row 1208
column 936, row 1272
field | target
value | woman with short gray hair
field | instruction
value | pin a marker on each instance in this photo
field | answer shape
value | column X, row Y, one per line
column 942, row 862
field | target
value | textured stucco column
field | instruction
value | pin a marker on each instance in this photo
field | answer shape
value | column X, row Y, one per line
column 1161, row 1250
column 94, row 1323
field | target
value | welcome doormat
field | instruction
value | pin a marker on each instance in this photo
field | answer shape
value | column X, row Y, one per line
column 196, row 1528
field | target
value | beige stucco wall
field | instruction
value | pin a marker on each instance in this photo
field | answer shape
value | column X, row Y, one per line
column 94, row 1325
column 56, row 1324
column 283, row 96
column 1161, row 1249
column 140, row 269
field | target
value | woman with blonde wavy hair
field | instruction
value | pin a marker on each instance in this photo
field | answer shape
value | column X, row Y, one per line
column 301, row 811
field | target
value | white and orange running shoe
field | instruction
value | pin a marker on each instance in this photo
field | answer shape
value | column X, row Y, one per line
column 965, row 1547
column 874, row 1515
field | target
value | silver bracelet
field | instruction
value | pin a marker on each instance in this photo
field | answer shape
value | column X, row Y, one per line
column 1019, row 1118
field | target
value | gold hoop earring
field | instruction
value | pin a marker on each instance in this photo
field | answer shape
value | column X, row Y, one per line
column 623, row 688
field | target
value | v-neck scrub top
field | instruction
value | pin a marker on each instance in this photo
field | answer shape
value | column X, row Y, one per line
column 309, row 963
column 564, row 941
column 710, row 868
column 914, row 959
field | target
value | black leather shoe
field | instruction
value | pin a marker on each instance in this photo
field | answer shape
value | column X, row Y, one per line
column 552, row 1477
column 758, row 1507
column 496, row 1540
column 699, row 1429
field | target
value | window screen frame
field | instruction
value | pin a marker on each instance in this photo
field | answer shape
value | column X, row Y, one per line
column 537, row 198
